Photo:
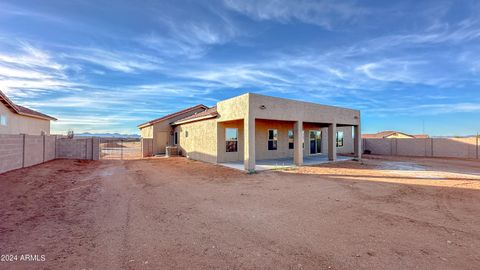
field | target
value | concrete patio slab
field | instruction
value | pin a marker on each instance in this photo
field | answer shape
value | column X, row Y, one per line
column 284, row 163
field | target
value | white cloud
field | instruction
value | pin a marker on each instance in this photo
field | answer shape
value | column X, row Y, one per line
column 322, row 13
column 114, row 60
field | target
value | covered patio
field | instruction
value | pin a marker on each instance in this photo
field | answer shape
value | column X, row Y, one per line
column 284, row 163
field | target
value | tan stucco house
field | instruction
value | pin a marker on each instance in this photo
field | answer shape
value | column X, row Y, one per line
column 16, row 119
column 255, row 127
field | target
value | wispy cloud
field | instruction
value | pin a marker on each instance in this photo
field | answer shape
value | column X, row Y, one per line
column 322, row 13
column 107, row 70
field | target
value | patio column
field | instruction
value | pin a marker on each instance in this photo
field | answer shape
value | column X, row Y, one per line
column 297, row 143
column 332, row 141
column 249, row 143
column 357, row 143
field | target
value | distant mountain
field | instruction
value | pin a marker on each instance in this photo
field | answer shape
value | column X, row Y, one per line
column 107, row 135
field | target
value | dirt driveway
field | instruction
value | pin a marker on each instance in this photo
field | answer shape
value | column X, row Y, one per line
column 175, row 213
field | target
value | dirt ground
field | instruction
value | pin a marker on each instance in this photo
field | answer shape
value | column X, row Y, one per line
column 174, row 213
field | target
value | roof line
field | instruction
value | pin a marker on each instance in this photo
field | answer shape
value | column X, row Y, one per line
column 24, row 111
column 168, row 116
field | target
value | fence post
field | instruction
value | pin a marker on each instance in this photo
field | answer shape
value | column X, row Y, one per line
column 23, row 153
column 86, row 149
column 477, row 145
column 92, row 147
column 431, row 145
column 55, row 148
column 121, row 149
column 425, row 146
column 43, row 148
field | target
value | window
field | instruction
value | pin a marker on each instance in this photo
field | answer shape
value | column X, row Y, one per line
column 186, row 133
column 231, row 139
column 3, row 120
column 290, row 139
column 339, row 138
column 272, row 139
column 175, row 138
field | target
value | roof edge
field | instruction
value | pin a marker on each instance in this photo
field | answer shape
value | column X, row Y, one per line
column 168, row 116
column 180, row 122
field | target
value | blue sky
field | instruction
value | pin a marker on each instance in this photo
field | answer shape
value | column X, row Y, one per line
column 107, row 66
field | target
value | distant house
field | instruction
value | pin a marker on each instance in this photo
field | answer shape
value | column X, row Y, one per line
column 16, row 119
column 390, row 134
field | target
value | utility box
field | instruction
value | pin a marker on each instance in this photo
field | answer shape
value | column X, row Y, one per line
column 171, row 151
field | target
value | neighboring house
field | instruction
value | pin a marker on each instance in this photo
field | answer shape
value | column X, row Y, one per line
column 16, row 119
column 393, row 135
column 251, row 126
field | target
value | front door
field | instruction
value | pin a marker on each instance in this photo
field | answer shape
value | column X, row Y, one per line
column 315, row 141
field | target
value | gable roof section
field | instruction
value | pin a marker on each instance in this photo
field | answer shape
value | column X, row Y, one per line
column 384, row 134
column 172, row 115
column 23, row 110
column 207, row 114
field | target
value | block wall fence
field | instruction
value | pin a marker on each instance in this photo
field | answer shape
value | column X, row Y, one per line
column 430, row 147
column 20, row 151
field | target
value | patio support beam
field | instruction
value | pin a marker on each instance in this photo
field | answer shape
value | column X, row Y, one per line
column 332, row 141
column 297, row 143
column 357, row 143
column 249, row 143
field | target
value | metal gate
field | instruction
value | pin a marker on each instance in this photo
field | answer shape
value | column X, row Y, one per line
column 120, row 148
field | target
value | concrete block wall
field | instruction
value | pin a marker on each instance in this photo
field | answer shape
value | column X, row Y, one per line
column 431, row 147
column 50, row 147
column 11, row 152
column 33, row 153
column 20, row 151
column 147, row 147
column 78, row 148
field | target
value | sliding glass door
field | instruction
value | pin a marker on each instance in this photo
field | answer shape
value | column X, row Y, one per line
column 315, row 141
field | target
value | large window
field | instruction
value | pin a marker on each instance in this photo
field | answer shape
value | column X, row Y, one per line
column 231, row 139
column 339, row 138
column 290, row 140
column 3, row 120
column 272, row 139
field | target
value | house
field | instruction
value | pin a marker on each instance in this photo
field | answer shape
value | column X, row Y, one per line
column 253, row 127
column 16, row 119
column 393, row 135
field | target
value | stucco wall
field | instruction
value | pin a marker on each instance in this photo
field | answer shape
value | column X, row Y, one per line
column 160, row 132
column 201, row 142
column 261, row 139
column 234, row 108
column 266, row 107
column 146, row 132
column 147, row 147
column 431, row 147
column 18, row 124
column 223, row 155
